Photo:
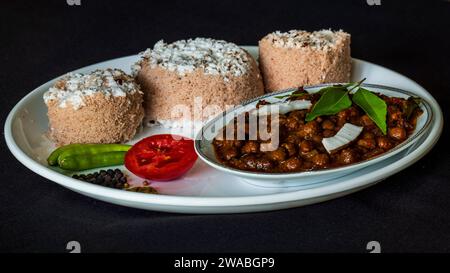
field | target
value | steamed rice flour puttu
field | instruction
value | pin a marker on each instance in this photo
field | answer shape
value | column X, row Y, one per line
column 298, row 58
column 104, row 106
column 192, row 72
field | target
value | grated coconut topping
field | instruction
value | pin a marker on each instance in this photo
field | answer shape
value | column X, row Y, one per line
column 73, row 87
column 215, row 57
column 318, row 40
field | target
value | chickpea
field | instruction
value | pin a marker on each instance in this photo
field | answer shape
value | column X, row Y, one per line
column 254, row 163
column 327, row 125
column 268, row 146
column 368, row 143
column 309, row 129
column 384, row 143
column 263, row 164
column 342, row 118
column 282, row 119
column 229, row 153
column 395, row 116
column 238, row 143
column 217, row 142
column 368, row 135
column 307, row 165
column 394, row 113
column 277, row 155
column 229, row 143
column 317, row 139
column 293, row 139
column 397, row 133
column 366, row 120
column 342, row 114
column 328, row 133
column 296, row 114
column 291, row 164
column 320, row 160
column 238, row 163
column 321, row 149
column 348, row 156
column 290, row 148
column 292, row 123
column 306, row 146
column 353, row 112
column 309, row 155
column 249, row 161
column 250, row 147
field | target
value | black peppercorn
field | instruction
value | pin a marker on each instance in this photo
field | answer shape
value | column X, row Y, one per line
column 108, row 178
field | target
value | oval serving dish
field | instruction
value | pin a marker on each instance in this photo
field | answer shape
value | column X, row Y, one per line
column 205, row 149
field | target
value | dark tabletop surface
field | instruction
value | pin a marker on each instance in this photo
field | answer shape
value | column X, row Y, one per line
column 408, row 212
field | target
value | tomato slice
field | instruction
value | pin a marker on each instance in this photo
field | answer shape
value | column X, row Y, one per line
column 161, row 157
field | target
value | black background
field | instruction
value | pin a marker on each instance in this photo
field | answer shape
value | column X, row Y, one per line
column 39, row 40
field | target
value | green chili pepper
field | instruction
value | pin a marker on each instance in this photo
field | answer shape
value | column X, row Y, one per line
column 84, row 149
column 92, row 149
column 83, row 162
column 53, row 158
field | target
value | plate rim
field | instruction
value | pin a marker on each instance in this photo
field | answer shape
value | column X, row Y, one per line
column 219, row 201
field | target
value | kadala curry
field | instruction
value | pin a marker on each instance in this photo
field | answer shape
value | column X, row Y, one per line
column 337, row 126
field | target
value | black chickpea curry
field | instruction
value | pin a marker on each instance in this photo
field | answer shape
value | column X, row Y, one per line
column 331, row 128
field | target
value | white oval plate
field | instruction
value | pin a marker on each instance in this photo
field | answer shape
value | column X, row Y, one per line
column 204, row 189
column 205, row 149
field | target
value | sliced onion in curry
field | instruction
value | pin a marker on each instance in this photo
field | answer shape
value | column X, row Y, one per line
column 343, row 137
column 284, row 107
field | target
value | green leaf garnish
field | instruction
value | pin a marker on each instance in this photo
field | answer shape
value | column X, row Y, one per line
column 301, row 91
column 354, row 84
column 374, row 107
column 289, row 96
column 333, row 100
column 332, row 87
column 297, row 93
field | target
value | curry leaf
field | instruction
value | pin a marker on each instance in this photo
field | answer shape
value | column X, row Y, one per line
column 332, row 87
column 354, row 84
column 374, row 106
column 340, row 86
column 289, row 96
column 332, row 101
column 297, row 93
